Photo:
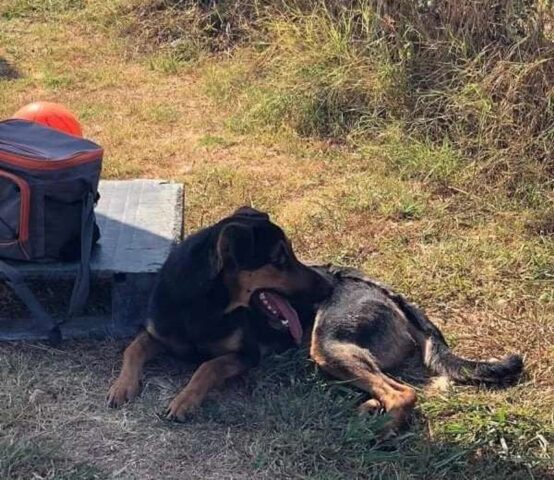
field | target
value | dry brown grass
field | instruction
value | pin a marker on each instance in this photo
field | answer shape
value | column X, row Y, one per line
column 57, row 401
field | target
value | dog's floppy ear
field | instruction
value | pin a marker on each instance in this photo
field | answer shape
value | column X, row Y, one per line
column 192, row 267
column 246, row 211
column 235, row 245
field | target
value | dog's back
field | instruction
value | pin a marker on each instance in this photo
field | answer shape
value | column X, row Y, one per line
column 360, row 314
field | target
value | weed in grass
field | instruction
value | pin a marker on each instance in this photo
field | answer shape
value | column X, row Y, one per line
column 461, row 270
column 90, row 112
column 165, row 62
column 55, row 82
column 212, row 141
column 384, row 195
column 225, row 80
column 508, row 428
column 163, row 114
column 420, row 160
column 409, row 210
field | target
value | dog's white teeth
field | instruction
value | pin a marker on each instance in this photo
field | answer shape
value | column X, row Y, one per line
column 267, row 304
column 285, row 322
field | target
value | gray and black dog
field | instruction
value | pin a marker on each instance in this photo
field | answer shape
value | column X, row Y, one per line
column 363, row 331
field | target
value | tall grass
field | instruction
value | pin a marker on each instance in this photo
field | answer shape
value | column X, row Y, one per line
column 477, row 75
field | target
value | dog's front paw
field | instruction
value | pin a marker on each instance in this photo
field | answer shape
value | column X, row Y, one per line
column 123, row 390
column 182, row 406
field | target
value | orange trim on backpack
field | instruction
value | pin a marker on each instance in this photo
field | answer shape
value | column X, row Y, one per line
column 25, row 213
column 24, row 162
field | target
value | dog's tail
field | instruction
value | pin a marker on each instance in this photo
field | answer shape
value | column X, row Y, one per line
column 438, row 357
column 441, row 360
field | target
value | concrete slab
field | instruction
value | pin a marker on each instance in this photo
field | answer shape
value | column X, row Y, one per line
column 140, row 221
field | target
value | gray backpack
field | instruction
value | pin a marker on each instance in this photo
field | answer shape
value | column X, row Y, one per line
column 48, row 189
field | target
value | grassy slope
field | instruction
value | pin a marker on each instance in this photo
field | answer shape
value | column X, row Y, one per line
column 468, row 256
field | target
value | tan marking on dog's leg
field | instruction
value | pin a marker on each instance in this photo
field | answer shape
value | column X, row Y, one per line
column 127, row 385
column 398, row 400
column 229, row 344
column 170, row 343
column 209, row 375
column 371, row 406
column 352, row 363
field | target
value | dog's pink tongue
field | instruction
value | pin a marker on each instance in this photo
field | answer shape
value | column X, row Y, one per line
column 288, row 313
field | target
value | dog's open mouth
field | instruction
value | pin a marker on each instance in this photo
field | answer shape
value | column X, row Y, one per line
column 280, row 313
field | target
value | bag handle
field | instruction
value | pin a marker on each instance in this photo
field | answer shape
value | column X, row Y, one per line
column 81, row 287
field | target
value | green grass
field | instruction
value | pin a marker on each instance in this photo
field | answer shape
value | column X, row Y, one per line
column 163, row 114
column 213, row 141
column 23, row 460
column 55, row 82
column 24, row 8
column 303, row 425
column 165, row 62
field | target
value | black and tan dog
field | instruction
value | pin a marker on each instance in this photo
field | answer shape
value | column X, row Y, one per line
column 221, row 295
column 226, row 292
column 363, row 330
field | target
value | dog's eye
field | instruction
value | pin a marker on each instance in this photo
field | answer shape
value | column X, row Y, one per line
column 280, row 260
column 280, row 257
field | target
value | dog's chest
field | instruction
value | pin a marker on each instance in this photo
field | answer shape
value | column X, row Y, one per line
column 229, row 344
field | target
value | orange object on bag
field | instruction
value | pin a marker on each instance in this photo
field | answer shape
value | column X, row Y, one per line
column 52, row 115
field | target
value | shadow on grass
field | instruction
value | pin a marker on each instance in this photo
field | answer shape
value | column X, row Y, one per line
column 290, row 422
column 8, row 71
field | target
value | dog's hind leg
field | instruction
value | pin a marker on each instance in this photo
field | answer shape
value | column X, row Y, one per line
column 350, row 362
column 143, row 348
column 209, row 375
